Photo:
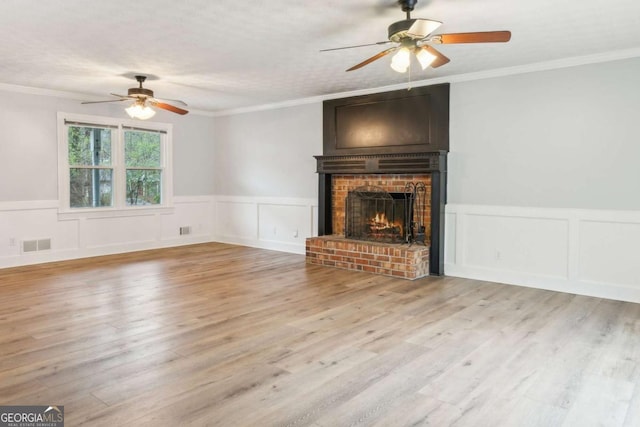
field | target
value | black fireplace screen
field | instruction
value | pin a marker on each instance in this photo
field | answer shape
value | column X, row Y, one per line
column 374, row 214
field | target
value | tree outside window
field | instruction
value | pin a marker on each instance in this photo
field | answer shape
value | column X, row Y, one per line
column 143, row 160
column 90, row 171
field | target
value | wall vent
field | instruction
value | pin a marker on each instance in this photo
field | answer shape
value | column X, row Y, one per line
column 29, row 246
column 185, row 230
column 36, row 245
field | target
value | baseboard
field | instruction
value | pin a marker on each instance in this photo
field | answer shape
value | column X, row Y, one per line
column 262, row 244
column 592, row 289
column 70, row 254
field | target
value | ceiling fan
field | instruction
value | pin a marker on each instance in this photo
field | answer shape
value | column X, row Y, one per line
column 142, row 100
column 415, row 36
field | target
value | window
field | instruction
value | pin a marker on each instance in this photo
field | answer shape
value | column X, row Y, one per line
column 90, row 169
column 109, row 164
column 143, row 163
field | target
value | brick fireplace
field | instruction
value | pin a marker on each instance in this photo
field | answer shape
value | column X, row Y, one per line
column 383, row 141
column 339, row 174
column 392, row 183
column 397, row 260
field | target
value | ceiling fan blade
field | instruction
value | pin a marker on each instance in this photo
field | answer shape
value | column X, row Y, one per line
column 373, row 58
column 123, row 96
column 100, row 102
column 358, row 45
column 174, row 101
column 479, row 37
column 168, row 107
column 440, row 58
column 421, row 28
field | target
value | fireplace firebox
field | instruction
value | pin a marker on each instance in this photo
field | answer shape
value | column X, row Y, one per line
column 374, row 214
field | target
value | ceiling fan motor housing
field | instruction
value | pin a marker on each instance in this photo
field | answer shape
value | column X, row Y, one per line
column 398, row 30
column 140, row 91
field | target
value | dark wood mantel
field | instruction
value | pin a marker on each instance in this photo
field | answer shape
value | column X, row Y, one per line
column 383, row 163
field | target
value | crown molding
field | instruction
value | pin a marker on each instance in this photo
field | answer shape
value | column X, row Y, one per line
column 45, row 92
column 456, row 78
column 480, row 75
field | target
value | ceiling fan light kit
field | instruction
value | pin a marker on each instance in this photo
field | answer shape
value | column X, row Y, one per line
column 139, row 110
column 143, row 100
column 416, row 36
column 401, row 60
column 425, row 58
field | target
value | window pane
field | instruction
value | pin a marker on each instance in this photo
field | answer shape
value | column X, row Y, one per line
column 144, row 187
column 142, row 149
column 89, row 146
column 90, row 188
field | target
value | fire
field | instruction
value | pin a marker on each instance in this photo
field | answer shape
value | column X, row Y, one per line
column 381, row 219
column 381, row 223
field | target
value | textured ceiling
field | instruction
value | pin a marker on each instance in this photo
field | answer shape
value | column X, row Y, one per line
column 221, row 54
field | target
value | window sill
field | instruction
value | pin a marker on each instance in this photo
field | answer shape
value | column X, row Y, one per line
column 95, row 213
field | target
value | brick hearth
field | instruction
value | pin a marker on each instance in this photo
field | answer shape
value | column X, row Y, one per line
column 404, row 261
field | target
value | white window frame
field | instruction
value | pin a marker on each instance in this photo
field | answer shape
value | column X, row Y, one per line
column 119, row 205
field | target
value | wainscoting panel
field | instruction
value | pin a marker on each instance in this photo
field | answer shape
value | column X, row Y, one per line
column 515, row 244
column 236, row 219
column 570, row 250
column 193, row 213
column 248, row 221
column 105, row 232
column 450, row 233
column 27, row 221
column 79, row 236
column 282, row 223
column 265, row 222
column 609, row 252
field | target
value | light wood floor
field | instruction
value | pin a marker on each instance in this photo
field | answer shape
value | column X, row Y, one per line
column 230, row 336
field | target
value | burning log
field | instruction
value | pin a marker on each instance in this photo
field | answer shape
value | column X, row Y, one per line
column 380, row 225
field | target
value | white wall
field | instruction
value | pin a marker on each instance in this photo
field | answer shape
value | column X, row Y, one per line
column 565, row 138
column 543, row 180
column 265, row 181
column 193, row 154
column 269, row 153
column 28, row 147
